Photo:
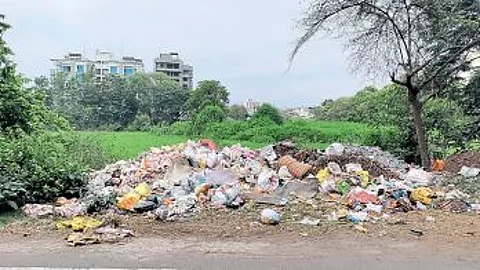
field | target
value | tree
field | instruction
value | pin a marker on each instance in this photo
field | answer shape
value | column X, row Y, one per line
column 207, row 116
column 160, row 97
column 16, row 108
column 414, row 41
column 208, row 93
column 269, row 112
column 238, row 112
column 116, row 102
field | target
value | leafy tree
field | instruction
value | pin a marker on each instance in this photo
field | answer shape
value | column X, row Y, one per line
column 415, row 42
column 208, row 93
column 238, row 112
column 116, row 102
column 161, row 98
column 388, row 106
column 15, row 104
column 467, row 95
column 267, row 111
column 207, row 116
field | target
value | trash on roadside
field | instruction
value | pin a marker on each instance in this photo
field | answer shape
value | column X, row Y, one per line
column 358, row 184
column 469, row 172
column 269, row 216
column 38, row 210
column 309, row 221
column 423, row 195
column 360, row 228
column 79, row 223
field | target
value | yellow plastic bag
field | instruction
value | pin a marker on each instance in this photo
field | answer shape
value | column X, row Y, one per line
column 365, row 178
column 422, row 195
column 129, row 200
column 143, row 190
column 80, row 223
column 323, row 175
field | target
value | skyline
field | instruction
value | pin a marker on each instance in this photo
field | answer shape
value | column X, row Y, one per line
column 244, row 48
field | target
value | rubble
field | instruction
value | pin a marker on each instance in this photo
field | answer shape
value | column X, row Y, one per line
column 358, row 184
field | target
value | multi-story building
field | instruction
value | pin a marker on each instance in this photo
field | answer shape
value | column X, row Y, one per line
column 174, row 67
column 252, row 106
column 103, row 65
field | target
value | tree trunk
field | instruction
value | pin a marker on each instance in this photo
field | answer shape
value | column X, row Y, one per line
column 413, row 97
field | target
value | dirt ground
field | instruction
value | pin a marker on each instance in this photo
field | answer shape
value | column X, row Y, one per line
column 431, row 227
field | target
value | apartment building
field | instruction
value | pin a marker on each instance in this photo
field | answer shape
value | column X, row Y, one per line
column 174, row 67
column 101, row 66
column 252, row 106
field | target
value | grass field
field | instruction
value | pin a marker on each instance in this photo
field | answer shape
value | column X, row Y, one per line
column 127, row 145
column 310, row 134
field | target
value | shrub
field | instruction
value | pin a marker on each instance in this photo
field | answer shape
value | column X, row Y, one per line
column 207, row 116
column 270, row 112
column 180, row 128
column 41, row 167
column 141, row 123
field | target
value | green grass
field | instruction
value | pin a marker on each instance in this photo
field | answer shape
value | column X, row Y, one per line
column 128, row 145
column 310, row 134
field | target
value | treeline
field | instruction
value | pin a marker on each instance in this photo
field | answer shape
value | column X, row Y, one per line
column 40, row 158
column 452, row 120
column 118, row 103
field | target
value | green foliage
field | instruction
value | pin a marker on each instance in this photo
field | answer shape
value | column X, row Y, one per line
column 309, row 133
column 141, row 123
column 206, row 117
column 115, row 103
column 39, row 168
column 160, row 97
column 269, row 112
column 128, row 145
column 208, row 93
column 444, row 118
column 180, row 128
column 39, row 161
column 237, row 112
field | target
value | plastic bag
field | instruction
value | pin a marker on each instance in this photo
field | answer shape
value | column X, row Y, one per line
column 269, row 216
column 422, row 195
column 80, row 223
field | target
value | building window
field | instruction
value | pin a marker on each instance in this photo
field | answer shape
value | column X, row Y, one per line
column 113, row 70
column 80, row 69
column 185, row 79
column 176, row 66
column 128, row 71
column 66, row 69
column 98, row 71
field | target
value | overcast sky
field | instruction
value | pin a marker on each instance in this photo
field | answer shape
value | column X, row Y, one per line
column 244, row 44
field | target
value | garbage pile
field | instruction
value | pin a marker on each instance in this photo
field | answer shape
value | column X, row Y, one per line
column 174, row 182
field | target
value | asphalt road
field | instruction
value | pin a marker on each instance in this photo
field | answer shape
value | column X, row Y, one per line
column 159, row 253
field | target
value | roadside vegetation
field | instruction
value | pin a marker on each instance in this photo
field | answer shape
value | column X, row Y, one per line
column 53, row 131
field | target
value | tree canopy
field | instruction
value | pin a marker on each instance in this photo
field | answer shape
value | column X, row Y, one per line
column 417, row 43
column 208, row 93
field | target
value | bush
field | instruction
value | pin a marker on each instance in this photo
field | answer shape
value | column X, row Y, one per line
column 44, row 166
column 180, row 128
column 207, row 116
column 141, row 123
column 40, row 168
column 270, row 112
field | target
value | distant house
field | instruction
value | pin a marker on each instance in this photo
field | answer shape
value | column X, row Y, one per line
column 171, row 65
column 302, row 113
column 101, row 66
column 252, row 106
